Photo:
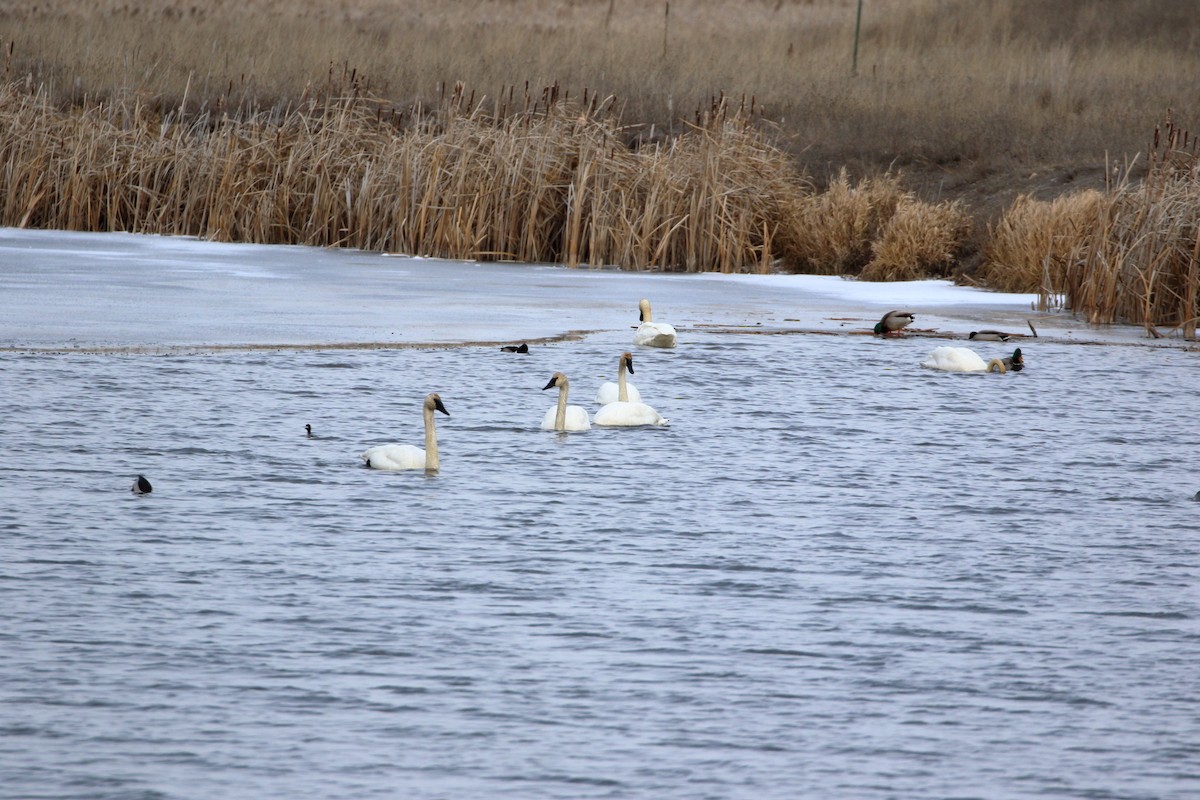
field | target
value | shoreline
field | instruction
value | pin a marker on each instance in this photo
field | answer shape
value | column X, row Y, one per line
column 120, row 293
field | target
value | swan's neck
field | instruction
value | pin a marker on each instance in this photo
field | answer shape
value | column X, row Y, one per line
column 431, row 451
column 622, row 388
column 560, row 416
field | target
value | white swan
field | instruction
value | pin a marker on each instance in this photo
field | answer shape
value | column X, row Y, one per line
column 621, row 390
column 650, row 333
column 624, row 415
column 563, row 417
column 955, row 359
column 407, row 456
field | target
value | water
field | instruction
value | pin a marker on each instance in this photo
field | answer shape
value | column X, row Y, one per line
column 834, row 575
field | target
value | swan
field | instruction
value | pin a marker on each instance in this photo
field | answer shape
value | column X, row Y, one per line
column 653, row 334
column 563, row 417
column 141, row 485
column 407, row 456
column 955, row 359
column 892, row 322
column 625, row 415
column 621, row 390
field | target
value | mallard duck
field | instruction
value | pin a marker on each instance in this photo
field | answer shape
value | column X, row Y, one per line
column 893, row 322
column 141, row 485
column 989, row 336
column 1015, row 362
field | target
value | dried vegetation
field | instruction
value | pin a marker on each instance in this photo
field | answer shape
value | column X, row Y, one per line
column 228, row 121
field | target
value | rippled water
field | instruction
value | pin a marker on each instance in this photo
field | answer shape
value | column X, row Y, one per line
column 836, row 575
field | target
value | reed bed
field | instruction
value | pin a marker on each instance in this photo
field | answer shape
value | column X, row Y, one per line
column 1032, row 245
column 1128, row 255
column 551, row 180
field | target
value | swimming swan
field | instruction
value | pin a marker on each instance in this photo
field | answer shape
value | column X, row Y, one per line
column 650, row 333
column 563, row 417
column 625, row 415
column 407, row 456
column 892, row 322
column 955, row 359
column 621, row 390
column 964, row 359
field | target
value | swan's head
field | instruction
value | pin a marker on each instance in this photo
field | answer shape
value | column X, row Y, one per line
column 558, row 379
column 434, row 403
column 1018, row 360
column 627, row 360
column 644, row 310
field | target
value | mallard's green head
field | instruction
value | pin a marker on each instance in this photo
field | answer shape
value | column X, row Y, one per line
column 879, row 329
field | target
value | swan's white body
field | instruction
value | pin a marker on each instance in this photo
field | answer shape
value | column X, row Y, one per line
column 621, row 390
column 562, row 417
column 955, row 359
column 650, row 333
column 395, row 457
column 626, row 414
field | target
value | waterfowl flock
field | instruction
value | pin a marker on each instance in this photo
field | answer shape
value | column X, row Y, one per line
column 621, row 403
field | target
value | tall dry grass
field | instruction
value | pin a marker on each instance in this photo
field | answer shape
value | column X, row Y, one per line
column 1131, row 254
column 948, row 82
column 534, row 178
column 1031, row 247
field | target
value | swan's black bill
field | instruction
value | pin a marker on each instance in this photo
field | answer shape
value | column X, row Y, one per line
column 141, row 485
column 437, row 403
column 551, row 384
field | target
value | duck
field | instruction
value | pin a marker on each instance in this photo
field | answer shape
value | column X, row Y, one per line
column 650, row 333
column 562, row 417
column 395, row 457
column 308, row 430
column 516, row 348
column 990, row 336
column 892, row 323
column 955, row 359
column 621, row 390
column 141, row 485
column 1013, row 363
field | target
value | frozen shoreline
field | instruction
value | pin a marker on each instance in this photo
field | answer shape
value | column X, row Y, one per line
column 129, row 292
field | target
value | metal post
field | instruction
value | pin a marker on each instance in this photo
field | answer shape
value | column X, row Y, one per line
column 857, row 28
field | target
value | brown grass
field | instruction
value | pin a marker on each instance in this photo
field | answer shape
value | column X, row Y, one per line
column 541, row 180
column 336, row 124
column 1131, row 254
column 946, row 82
column 1033, row 244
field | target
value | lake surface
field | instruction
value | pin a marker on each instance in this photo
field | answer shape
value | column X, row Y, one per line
column 834, row 575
